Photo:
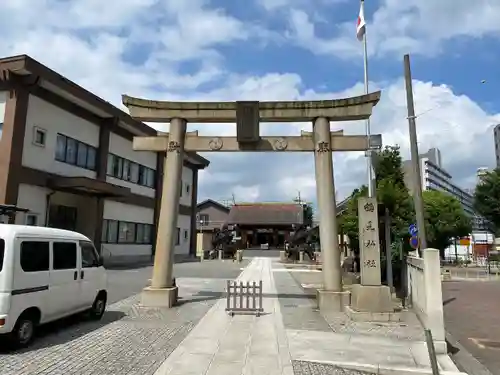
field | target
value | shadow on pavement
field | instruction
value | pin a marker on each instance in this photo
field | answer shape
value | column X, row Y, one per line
column 449, row 300
column 206, row 295
column 63, row 331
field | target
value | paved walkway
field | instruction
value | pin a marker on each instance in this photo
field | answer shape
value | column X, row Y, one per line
column 243, row 344
column 248, row 345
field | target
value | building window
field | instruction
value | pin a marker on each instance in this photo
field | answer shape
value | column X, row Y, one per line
column 71, row 151
column 178, row 237
column 35, row 256
column 112, row 231
column 204, row 219
column 125, row 232
column 127, row 170
column 32, row 219
column 188, row 188
column 39, row 136
column 185, row 234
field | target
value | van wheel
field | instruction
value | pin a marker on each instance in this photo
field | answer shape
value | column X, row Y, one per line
column 99, row 307
column 24, row 331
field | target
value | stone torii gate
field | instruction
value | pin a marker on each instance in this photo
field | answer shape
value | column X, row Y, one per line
column 248, row 115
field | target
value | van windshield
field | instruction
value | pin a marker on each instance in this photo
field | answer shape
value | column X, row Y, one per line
column 2, row 251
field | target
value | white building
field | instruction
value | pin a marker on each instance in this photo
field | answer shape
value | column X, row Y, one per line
column 435, row 177
column 496, row 136
column 66, row 155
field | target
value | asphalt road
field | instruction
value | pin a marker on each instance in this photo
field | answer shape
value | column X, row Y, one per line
column 472, row 316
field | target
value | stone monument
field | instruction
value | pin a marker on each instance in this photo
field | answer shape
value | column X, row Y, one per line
column 370, row 295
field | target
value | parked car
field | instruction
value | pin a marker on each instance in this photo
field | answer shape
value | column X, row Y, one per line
column 46, row 274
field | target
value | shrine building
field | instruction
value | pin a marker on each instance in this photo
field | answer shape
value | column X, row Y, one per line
column 265, row 223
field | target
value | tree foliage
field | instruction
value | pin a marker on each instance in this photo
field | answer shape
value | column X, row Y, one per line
column 445, row 219
column 308, row 214
column 487, row 197
column 391, row 192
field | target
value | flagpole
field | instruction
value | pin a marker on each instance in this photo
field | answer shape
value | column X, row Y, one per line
column 371, row 192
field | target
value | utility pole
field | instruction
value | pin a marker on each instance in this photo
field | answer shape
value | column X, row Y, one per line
column 415, row 159
column 388, row 249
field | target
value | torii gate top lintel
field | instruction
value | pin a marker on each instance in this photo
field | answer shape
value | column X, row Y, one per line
column 348, row 109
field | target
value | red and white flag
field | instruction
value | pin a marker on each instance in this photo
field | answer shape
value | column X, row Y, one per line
column 361, row 26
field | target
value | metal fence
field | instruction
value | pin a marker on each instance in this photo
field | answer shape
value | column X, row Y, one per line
column 245, row 298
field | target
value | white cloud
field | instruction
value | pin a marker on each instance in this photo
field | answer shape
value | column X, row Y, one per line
column 88, row 44
column 415, row 26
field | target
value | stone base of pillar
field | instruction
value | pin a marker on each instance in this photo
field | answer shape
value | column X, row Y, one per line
column 239, row 255
column 283, row 256
column 301, row 256
column 374, row 299
column 329, row 301
column 383, row 317
column 159, row 297
column 220, row 254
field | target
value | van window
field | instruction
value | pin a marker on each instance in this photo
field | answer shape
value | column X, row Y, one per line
column 2, row 252
column 89, row 255
column 35, row 256
column 64, row 256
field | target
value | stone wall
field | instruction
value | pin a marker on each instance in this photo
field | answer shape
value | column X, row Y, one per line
column 425, row 294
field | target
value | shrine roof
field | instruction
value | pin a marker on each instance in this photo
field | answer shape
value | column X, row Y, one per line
column 270, row 213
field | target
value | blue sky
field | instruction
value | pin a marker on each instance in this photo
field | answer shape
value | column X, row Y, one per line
column 282, row 49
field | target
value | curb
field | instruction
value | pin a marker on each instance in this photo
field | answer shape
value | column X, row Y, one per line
column 385, row 370
column 465, row 361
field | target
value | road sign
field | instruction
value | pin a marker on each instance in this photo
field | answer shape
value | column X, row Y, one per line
column 464, row 241
column 414, row 242
column 413, row 230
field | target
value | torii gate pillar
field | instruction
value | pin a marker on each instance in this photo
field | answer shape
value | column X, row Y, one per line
column 331, row 297
column 163, row 291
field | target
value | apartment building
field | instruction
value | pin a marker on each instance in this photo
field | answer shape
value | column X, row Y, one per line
column 435, row 177
column 66, row 155
column 496, row 136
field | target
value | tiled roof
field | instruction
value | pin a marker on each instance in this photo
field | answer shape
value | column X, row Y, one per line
column 211, row 202
column 266, row 214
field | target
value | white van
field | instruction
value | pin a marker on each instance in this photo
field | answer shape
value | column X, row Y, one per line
column 46, row 274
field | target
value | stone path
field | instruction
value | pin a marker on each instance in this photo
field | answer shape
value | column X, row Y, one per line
column 243, row 344
column 293, row 338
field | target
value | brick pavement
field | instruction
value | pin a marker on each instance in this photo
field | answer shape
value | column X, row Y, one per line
column 472, row 313
column 129, row 340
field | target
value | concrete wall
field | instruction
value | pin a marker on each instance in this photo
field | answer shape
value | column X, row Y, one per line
column 187, row 187
column 425, row 294
column 34, row 198
column 53, row 120
column 216, row 217
column 184, row 225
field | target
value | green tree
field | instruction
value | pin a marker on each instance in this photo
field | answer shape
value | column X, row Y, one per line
column 391, row 192
column 444, row 219
column 487, row 197
column 348, row 221
column 308, row 214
